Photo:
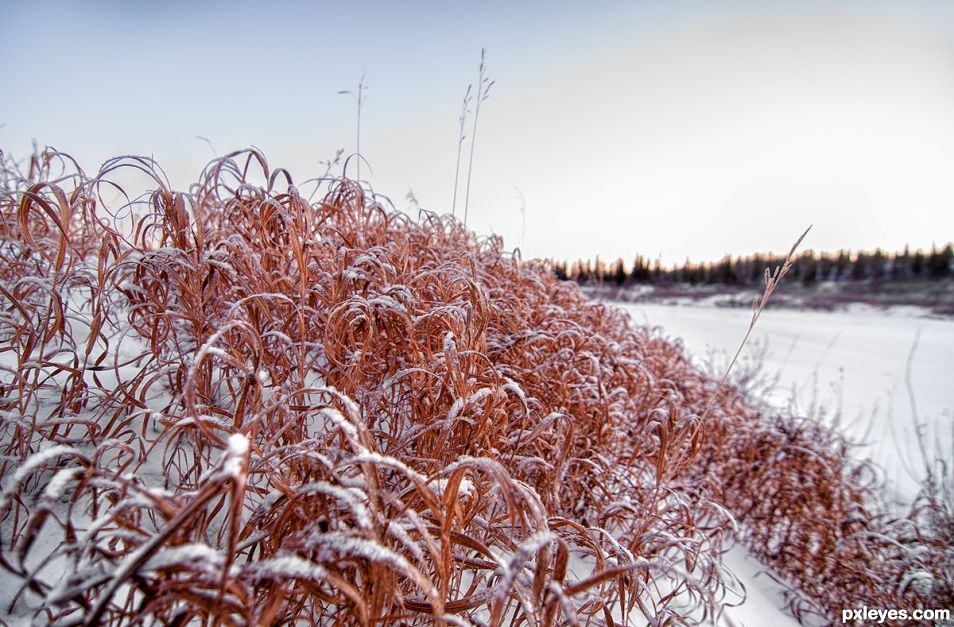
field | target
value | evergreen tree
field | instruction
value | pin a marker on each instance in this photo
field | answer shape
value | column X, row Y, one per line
column 901, row 268
column 657, row 272
column 876, row 265
column 640, row 272
column 619, row 274
column 917, row 265
column 807, row 268
column 843, row 265
column 826, row 267
column 810, row 267
column 723, row 272
column 757, row 269
column 859, row 270
column 939, row 263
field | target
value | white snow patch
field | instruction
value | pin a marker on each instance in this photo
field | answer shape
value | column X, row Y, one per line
column 235, row 454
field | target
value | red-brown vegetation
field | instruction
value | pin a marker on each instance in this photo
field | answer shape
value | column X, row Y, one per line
column 240, row 406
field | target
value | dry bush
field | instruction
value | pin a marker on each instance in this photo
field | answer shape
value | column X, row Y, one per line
column 238, row 406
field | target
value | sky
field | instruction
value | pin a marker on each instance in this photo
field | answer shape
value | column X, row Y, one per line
column 671, row 129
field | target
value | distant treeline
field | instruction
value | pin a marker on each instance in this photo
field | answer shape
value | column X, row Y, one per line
column 809, row 267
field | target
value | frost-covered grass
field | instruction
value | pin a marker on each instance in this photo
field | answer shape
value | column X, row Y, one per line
column 856, row 371
column 850, row 369
column 237, row 406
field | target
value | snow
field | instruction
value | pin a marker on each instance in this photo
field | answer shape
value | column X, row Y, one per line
column 387, row 302
column 524, row 553
column 367, row 457
column 354, row 498
column 849, row 368
column 465, row 488
column 449, row 345
column 201, row 554
column 235, row 454
column 32, row 463
column 285, row 566
column 763, row 595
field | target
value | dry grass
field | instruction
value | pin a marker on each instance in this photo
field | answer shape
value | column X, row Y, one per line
column 235, row 406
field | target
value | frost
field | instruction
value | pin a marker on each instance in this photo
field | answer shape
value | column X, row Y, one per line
column 459, row 405
column 354, row 498
column 450, row 346
column 334, row 542
column 921, row 580
column 57, row 485
column 398, row 531
column 235, row 455
column 525, row 437
column 279, row 335
column 453, row 411
column 350, row 431
column 238, row 445
column 209, row 559
column 515, row 388
column 464, row 489
column 218, row 421
column 388, row 303
column 285, row 566
column 32, row 463
column 524, row 553
column 385, row 460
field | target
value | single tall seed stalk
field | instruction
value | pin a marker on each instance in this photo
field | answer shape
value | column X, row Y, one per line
column 359, row 96
column 758, row 305
column 483, row 91
column 460, row 145
column 523, row 216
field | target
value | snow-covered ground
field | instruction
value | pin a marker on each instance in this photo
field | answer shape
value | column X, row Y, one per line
column 850, row 366
column 855, row 367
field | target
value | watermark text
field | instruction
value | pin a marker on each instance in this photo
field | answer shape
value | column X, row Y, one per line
column 878, row 615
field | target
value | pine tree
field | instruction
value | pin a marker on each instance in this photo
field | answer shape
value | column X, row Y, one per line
column 619, row 275
column 939, row 263
column 859, row 270
column 807, row 268
column 876, row 265
column 842, row 266
column 917, row 265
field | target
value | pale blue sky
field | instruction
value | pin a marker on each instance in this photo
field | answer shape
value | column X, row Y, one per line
column 661, row 128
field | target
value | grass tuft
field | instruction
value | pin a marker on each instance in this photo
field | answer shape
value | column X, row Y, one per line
column 237, row 406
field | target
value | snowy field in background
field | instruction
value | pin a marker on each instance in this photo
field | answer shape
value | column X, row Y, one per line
column 846, row 366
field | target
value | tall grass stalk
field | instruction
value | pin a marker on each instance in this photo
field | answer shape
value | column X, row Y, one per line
column 483, row 92
column 460, row 145
column 523, row 216
column 772, row 279
column 359, row 97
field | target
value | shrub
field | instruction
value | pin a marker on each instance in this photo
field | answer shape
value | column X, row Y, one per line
column 238, row 406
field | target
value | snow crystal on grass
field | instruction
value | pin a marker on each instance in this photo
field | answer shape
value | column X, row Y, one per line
column 235, row 454
column 354, row 498
column 201, row 555
column 465, row 488
column 286, row 566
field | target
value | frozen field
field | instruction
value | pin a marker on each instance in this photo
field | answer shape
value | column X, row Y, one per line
column 849, row 366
